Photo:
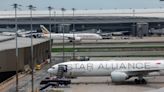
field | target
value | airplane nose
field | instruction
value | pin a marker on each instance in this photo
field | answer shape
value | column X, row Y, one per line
column 49, row 70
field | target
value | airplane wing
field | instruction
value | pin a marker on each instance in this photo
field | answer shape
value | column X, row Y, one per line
column 143, row 72
column 67, row 37
column 70, row 38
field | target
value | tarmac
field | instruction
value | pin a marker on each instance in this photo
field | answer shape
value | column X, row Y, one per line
column 104, row 84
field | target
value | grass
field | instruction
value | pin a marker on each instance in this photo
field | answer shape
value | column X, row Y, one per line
column 61, row 49
column 147, row 48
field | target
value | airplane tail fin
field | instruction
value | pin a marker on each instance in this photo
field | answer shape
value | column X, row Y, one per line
column 44, row 29
column 99, row 31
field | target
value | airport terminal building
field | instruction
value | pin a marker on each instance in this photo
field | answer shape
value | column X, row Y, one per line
column 137, row 22
column 8, row 54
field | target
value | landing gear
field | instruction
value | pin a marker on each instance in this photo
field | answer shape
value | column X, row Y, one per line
column 140, row 81
column 70, row 40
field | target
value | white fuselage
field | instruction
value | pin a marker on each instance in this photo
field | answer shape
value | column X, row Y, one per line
column 105, row 68
column 81, row 36
column 8, row 33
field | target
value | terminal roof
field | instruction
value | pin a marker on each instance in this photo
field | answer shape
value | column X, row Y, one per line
column 9, row 42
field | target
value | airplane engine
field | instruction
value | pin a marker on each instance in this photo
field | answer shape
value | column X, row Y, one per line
column 119, row 76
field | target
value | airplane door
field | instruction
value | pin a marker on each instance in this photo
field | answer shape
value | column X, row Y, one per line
column 65, row 68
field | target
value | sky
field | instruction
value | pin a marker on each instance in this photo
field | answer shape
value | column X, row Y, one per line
column 83, row 4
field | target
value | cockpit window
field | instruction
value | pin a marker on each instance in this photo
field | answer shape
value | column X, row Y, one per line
column 53, row 67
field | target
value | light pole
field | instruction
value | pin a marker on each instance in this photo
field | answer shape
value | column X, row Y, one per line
column 31, row 8
column 16, row 6
column 133, row 25
column 63, row 10
column 134, row 12
column 73, row 11
column 159, row 28
column 50, row 9
column 54, row 20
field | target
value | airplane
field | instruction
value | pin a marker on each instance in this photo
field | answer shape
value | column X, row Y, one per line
column 23, row 33
column 8, row 33
column 120, row 71
column 35, row 34
column 12, row 33
column 70, row 36
column 119, row 33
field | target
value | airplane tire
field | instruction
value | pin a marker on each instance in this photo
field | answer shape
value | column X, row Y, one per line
column 137, row 81
column 70, row 40
column 142, row 81
column 34, row 36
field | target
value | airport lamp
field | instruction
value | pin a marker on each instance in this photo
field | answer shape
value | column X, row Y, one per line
column 133, row 25
column 31, row 8
column 134, row 12
column 50, row 9
column 16, row 7
column 63, row 10
column 54, row 20
column 73, row 13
